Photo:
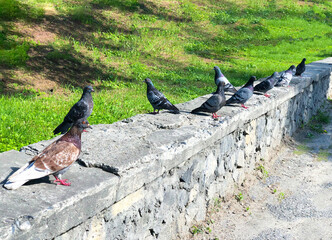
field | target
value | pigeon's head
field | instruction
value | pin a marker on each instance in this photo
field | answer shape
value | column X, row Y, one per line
column 217, row 71
column 304, row 59
column 88, row 89
column 251, row 80
column 292, row 67
column 147, row 81
column 82, row 125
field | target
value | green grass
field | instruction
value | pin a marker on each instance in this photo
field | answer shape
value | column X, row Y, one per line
column 116, row 44
column 323, row 155
column 301, row 149
column 317, row 122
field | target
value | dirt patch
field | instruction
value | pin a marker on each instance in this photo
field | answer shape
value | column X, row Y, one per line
column 36, row 32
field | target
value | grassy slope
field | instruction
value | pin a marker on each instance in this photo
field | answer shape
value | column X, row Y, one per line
column 115, row 44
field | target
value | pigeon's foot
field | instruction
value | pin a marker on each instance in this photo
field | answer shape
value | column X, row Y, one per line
column 214, row 115
column 242, row 105
column 267, row 95
column 61, row 181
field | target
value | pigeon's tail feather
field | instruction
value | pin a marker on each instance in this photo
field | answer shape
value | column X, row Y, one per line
column 232, row 89
column 196, row 110
column 14, row 185
column 229, row 101
column 62, row 128
column 174, row 109
column 24, row 174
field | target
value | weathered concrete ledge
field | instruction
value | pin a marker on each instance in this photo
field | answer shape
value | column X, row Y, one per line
column 171, row 167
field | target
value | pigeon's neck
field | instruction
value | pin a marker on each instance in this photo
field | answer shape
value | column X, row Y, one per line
column 150, row 86
column 217, row 74
column 73, row 136
column 86, row 96
column 251, row 87
column 220, row 90
column 273, row 79
column 249, row 84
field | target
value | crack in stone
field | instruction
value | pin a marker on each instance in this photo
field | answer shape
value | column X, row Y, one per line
column 102, row 166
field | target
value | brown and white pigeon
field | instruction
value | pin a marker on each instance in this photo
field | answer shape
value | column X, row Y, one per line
column 80, row 111
column 55, row 159
column 220, row 77
column 300, row 68
column 214, row 103
column 267, row 84
column 157, row 99
column 243, row 94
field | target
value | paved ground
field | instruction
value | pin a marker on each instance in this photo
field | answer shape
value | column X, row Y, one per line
column 290, row 198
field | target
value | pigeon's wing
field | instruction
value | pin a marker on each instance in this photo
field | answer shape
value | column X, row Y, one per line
column 78, row 111
column 155, row 97
column 263, row 86
column 230, row 88
column 213, row 104
column 240, row 96
column 57, row 156
column 282, row 80
column 213, row 101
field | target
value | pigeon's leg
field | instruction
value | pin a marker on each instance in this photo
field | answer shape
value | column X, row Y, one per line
column 154, row 111
column 242, row 105
column 267, row 95
column 61, row 181
column 214, row 115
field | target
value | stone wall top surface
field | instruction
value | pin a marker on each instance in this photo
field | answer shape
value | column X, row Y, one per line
column 142, row 148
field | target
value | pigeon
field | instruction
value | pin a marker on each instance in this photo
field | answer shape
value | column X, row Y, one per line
column 219, row 77
column 214, row 103
column 157, row 99
column 285, row 77
column 243, row 94
column 267, row 84
column 54, row 159
column 81, row 110
column 300, row 68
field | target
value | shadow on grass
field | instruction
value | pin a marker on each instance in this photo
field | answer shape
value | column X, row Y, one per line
column 66, row 66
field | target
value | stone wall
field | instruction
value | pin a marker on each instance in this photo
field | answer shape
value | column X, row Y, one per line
column 171, row 167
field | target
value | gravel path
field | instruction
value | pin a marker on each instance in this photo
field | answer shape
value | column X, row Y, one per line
column 290, row 198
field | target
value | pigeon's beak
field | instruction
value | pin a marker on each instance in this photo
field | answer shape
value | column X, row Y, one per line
column 89, row 126
column 92, row 90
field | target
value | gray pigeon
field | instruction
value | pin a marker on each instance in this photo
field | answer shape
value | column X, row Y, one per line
column 285, row 77
column 214, row 103
column 267, row 84
column 243, row 94
column 219, row 77
column 80, row 111
column 300, row 68
column 157, row 99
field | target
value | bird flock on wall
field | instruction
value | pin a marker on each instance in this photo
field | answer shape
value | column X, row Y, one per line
column 56, row 158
